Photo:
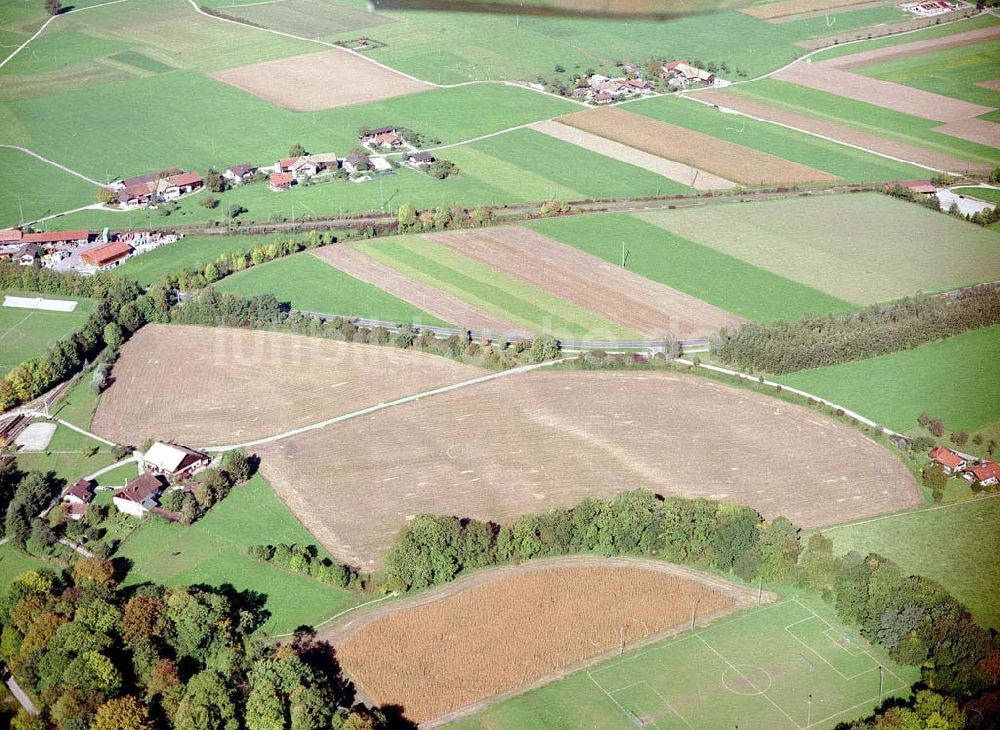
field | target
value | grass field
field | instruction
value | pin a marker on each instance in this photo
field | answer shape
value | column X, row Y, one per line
column 491, row 290
column 13, row 562
column 869, row 117
column 712, row 276
column 68, row 456
column 212, row 551
column 952, row 72
column 818, row 241
column 28, row 333
column 851, row 164
column 953, row 379
column 946, row 544
column 756, row 669
column 41, row 190
column 842, row 20
column 311, row 284
column 307, row 18
column 990, row 195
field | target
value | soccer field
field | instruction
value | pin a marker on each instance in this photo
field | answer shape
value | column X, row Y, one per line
column 786, row 665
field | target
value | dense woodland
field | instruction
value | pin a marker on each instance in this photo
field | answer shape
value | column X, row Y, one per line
column 817, row 341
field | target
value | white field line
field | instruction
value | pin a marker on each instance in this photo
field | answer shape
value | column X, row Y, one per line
column 823, row 659
column 67, row 424
column 380, row 406
column 46, row 25
column 46, row 160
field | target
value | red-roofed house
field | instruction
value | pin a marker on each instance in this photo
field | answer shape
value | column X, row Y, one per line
column 950, row 460
column 386, row 139
column 986, row 473
column 285, row 164
column 57, row 237
column 178, row 185
column 10, row 235
column 78, row 497
column 139, row 495
column 107, row 256
column 919, row 187
column 281, row 180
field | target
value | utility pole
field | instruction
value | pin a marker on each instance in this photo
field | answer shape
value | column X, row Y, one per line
column 809, row 716
column 881, row 676
column 760, row 590
column 694, row 603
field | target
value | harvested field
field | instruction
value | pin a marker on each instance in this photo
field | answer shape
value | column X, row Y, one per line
column 205, row 386
column 992, row 85
column 590, row 282
column 914, row 48
column 783, row 8
column 842, row 132
column 440, row 304
column 519, row 626
column 698, row 179
column 974, row 130
column 905, row 99
column 535, row 442
column 323, row 80
column 728, row 160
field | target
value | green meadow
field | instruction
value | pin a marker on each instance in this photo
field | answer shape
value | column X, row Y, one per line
column 41, row 189
column 28, row 333
column 947, row 544
column 312, row 284
column 490, row 290
column 869, row 117
column 851, row 164
column 212, row 551
column 712, row 276
column 953, row 379
column 990, row 195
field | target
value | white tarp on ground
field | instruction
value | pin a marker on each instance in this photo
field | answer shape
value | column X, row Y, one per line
column 35, row 437
column 51, row 305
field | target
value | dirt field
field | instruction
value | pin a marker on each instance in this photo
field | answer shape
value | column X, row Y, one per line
column 772, row 11
column 440, row 304
column 842, row 132
column 321, row 80
column 206, row 386
column 684, row 174
column 730, row 161
column 589, row 282
column 993, row 85
column 533, row 442
column 516, row 626
column 886, row 94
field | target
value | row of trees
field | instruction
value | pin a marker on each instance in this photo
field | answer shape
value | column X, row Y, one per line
column 306, row 559
column 815, row 341
column 442, row 218
column 99, row 657
column 699, row 532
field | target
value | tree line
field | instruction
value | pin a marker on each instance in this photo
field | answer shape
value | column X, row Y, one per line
column 820, row 340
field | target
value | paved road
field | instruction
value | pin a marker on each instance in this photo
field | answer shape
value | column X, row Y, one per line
column 21, row 696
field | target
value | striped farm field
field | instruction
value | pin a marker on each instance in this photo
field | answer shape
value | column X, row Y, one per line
column 713, row 276
column 859, row 248
column 493, row 291
column 726, row 159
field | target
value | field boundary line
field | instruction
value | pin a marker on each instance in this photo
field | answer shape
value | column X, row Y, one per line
column 55, row 164
column 823, row 659
column 762, row 692
column 46, row 24
column 906, row 513
column 611, row 697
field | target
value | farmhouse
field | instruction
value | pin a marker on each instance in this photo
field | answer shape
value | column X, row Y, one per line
column 77, row 498
column 171, row 460
column 107, row 256
column 986, row 473
column 146, row 189
column 357, row 163
column 285, row 164
column 952, row 461
column 369, row 136
column 681, row 74
column 27, row 255
column 239, row 174
column 178, row 185
column 139, row 495
column 281, row 180
column 421, row 158
column 324, row 162
column 303, row 168
column 931, row 8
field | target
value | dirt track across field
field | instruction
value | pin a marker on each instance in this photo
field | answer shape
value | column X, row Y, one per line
column 684, row 174
column 502, row 631
column 545, row 440
column 316, row 81
column 204, row 386
column 783, row 8
column 842, row 132
column 590, row 282
column 726, row 159
column 441, row 304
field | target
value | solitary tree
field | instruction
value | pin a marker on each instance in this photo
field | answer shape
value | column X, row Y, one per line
column 297, row 150
column 53, row 7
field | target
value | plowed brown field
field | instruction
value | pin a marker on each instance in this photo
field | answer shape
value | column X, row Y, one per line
column 728, row 160
column 519, row 626
column 548, row 439
column 204, row 386
column 589, row 282
column 323, row 80
column 426, row 297
column 795, row 7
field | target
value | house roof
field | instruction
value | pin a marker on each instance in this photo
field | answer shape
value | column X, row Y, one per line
column 286, row 162
column 185, row 178
column 945, row 457
column 28, row 249
column 241, row 169
column 169, row 457
column 985, row 470
column 140, row 190
column 376, row 132
column 390, row 137
column 140, row 179
column 917, row 186
column 10, row 234
column 302, row 162
column 82, row 490
column 422, row 157
column 355, row 159
column 55, row 236
column 281, row 178
column 106, row 254
column 141, row 488
column 326, row 158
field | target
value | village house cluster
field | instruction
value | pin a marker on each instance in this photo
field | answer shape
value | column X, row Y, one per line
column 599, row 89
column 985, row 473
column 930, row 8
column 80, row 250
column 153, row 188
